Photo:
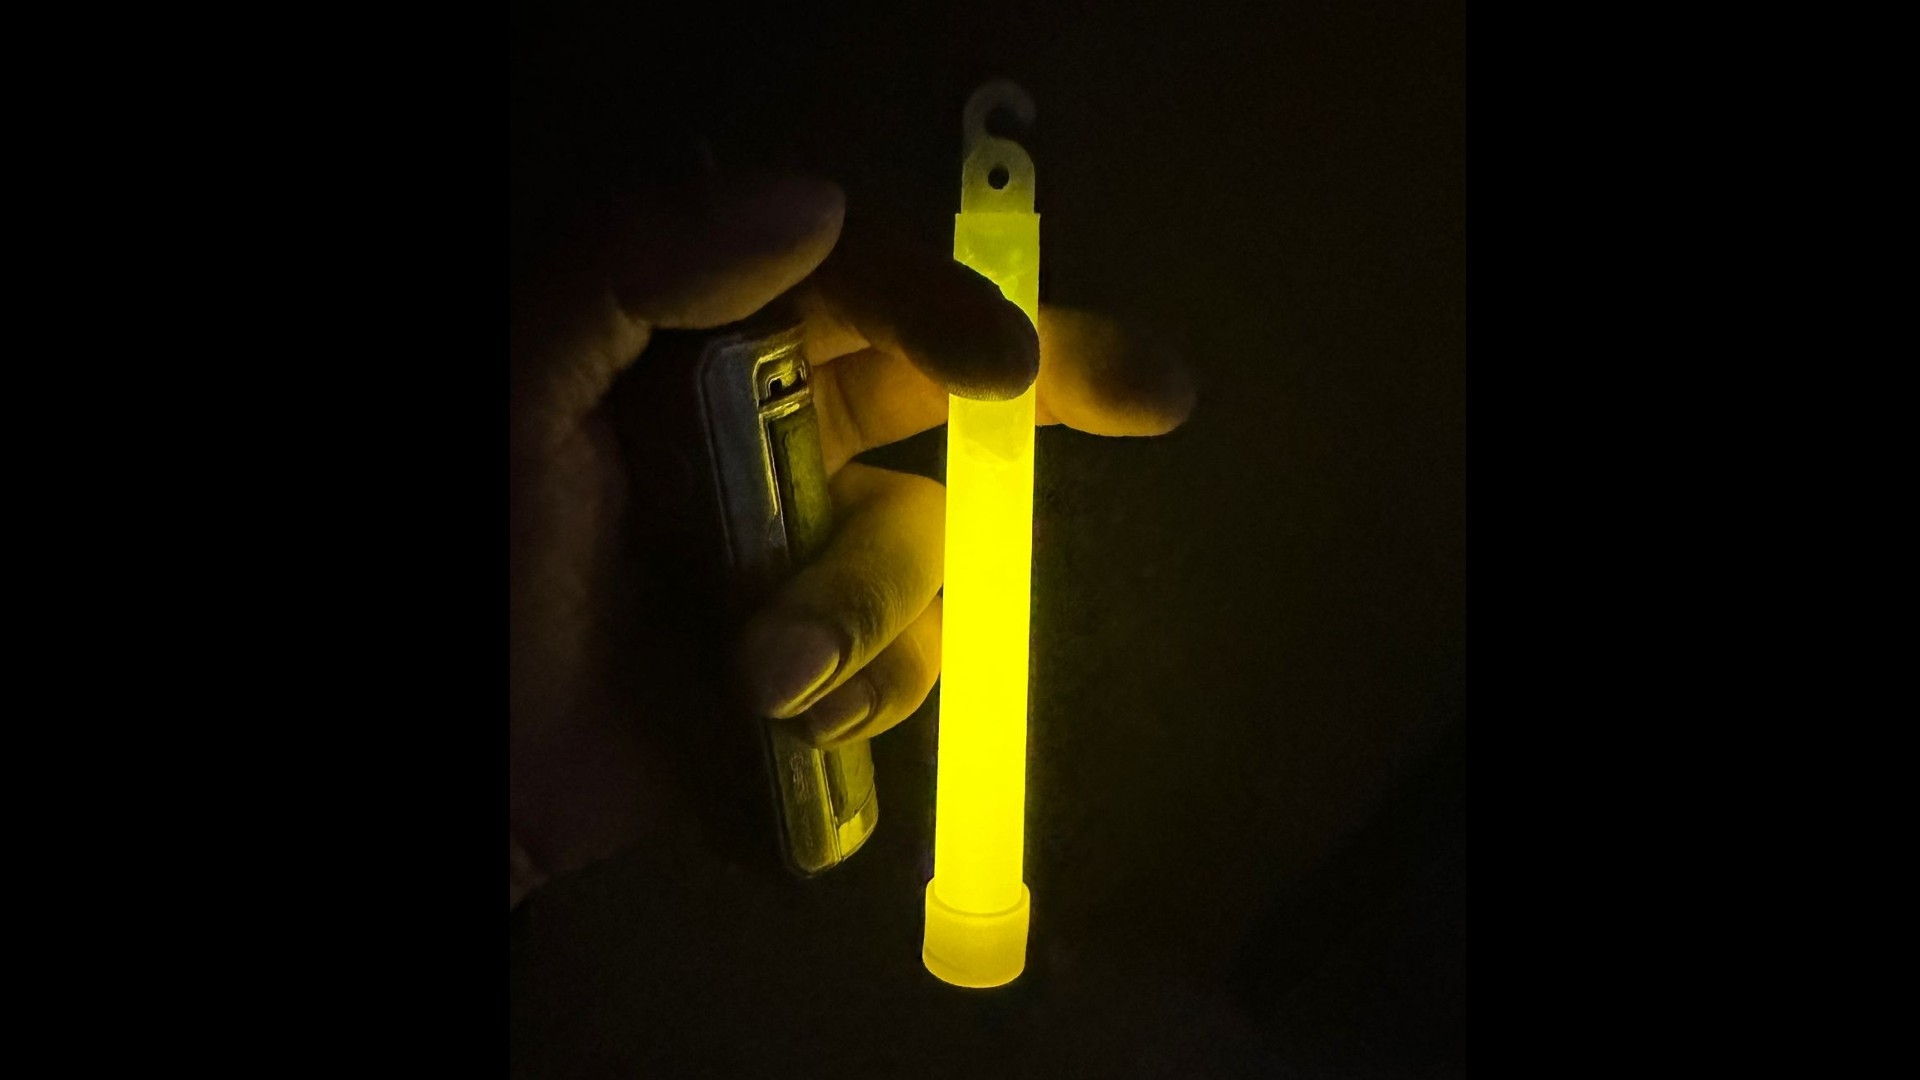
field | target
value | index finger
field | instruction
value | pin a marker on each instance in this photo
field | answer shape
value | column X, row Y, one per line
column 658, row 259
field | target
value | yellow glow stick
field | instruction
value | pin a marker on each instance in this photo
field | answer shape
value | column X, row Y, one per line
column 977, row 902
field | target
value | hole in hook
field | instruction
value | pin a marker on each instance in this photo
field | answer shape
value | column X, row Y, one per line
column 997, row 178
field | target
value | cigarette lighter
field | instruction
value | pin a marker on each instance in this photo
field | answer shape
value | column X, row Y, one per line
column 724, row 452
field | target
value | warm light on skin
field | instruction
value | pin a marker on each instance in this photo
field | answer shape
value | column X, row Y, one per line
column 977, row 902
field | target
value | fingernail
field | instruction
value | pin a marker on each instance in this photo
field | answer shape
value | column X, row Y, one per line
column 787, row 663
column 840, row 712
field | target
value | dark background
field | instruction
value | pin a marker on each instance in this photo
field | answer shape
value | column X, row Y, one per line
column 1246, row 836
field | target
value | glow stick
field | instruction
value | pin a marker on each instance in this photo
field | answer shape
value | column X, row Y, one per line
column 977, row 902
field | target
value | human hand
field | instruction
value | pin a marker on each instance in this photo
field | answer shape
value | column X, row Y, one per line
column 850, row 645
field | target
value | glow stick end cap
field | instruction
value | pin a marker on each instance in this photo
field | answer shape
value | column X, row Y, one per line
column 969, row 949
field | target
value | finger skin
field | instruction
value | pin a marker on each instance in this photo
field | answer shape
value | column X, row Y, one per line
column 870, row 399
column 693, row 258
column 944, row 318
column 721, row 252
column 880, row 570
column 1094, row 377
column 883, row 693
column 1097, row 377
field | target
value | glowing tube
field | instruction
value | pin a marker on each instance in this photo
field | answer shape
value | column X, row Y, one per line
column 977, row 902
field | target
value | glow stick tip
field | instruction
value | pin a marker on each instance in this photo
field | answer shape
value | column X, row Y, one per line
column 968, row 949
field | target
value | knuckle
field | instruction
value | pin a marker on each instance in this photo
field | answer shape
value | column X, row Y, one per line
column 868, row 605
